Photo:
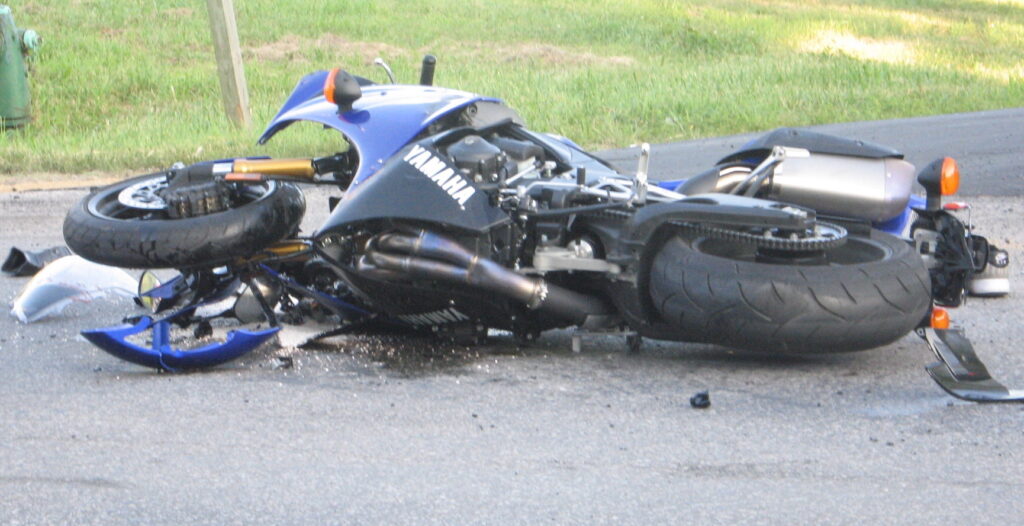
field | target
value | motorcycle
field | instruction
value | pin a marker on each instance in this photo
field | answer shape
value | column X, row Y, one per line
column 456, row 219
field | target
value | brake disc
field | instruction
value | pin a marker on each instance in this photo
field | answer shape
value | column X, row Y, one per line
column 143, row 194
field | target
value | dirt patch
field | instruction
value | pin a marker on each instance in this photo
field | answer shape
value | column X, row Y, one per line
column 544, row 54
column 833, row 42
column 296, row 48
column 180, row 12
column 111, row 33
column 58, row 181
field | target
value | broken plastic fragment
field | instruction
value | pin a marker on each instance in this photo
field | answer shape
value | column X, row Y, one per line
column 26, row 263
column 701, row 400
column 66, row 280
column 160, row 354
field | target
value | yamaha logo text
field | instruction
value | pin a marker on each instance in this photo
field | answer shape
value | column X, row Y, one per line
column 457, row 187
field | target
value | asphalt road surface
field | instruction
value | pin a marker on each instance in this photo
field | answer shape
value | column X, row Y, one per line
column 370, row 431
column 987, row 145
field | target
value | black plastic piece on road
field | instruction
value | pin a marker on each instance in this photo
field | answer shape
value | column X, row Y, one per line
column 960, row 372
column 26, row 263
column 701, row 400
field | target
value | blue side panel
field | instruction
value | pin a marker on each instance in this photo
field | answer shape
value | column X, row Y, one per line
column 380, row 123
column 898, row 225
column 671, row 184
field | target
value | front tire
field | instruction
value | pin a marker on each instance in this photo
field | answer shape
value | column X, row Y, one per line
column 101, row 228
column 866, row 293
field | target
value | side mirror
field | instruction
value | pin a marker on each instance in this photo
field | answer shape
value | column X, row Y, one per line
column 341, row 89
column 147, row 282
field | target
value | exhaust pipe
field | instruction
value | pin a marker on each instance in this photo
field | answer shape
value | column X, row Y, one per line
column 431, row 256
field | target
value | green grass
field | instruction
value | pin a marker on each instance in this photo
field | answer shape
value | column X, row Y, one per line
column 132, row 85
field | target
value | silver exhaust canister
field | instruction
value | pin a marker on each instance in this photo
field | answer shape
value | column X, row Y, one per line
column 872, row 189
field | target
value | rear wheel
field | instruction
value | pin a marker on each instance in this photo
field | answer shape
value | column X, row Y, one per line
column 130, row 224
column 864, row 293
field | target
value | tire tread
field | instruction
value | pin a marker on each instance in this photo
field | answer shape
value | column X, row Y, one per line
column 209, row 240
column 780, row 308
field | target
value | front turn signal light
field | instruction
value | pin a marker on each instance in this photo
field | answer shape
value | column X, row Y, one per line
column 329, row 85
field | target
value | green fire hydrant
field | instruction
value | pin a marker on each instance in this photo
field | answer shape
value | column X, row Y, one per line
column 15, row 47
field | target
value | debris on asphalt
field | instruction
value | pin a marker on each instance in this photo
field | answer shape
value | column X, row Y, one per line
column 701, row 400
column 284, row 362
column 21, row 263
column 66, row 280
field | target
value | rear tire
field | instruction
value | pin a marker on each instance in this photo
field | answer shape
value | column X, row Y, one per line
column 100, row 229
column 872, row 290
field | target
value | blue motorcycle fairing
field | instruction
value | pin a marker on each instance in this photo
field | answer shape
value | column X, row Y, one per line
column 380, row 123
column 307, row 88
column 161, row 356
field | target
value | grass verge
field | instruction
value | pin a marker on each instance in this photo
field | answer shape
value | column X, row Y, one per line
column 132, row 85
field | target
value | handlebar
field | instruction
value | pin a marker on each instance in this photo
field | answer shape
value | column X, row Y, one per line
column 427, row 70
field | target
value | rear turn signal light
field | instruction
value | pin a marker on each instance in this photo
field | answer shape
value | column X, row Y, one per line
column 940, row 319
column 950, row 181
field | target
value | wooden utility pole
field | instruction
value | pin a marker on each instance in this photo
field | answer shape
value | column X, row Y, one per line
column 229, row 61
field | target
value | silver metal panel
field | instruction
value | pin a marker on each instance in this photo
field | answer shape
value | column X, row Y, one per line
column 873, row 189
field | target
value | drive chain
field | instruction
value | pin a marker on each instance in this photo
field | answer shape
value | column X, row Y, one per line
column 800, row 244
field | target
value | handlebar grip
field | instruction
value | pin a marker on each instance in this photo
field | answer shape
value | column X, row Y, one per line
column 427, row 71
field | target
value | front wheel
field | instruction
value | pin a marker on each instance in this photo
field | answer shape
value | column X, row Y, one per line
column 131, row 223
column 868, row 292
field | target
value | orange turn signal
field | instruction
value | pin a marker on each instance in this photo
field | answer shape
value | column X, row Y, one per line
column 940, row 319
column 329, row 86
column 950, row 181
